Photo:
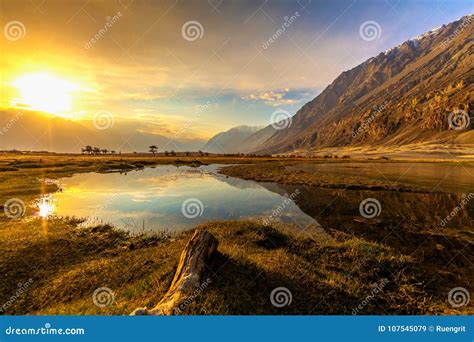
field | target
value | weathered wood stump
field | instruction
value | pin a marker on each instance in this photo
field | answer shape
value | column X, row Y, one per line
column 188, row 276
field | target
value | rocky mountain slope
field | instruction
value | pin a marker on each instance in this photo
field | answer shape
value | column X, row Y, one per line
column 402, row 96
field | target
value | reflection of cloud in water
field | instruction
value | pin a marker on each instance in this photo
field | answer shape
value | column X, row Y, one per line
column 152, row 198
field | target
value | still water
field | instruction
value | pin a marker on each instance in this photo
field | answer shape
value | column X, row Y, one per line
column 435, row 228
column 171, row 198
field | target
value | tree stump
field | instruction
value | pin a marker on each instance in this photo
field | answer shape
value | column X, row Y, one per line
column 188, row 276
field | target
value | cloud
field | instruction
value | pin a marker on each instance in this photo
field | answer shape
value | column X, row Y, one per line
column 143, row 61
column 284, row 97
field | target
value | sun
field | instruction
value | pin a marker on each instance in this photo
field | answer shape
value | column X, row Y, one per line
column 45, row 92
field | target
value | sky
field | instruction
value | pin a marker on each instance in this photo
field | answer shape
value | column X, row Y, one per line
column 196, row 67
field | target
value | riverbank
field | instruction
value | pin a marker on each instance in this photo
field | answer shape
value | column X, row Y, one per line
column 50, row 266
column 282, row 173
column 28, row 176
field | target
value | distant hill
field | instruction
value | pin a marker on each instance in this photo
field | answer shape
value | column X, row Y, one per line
column 36, row 131
column 403, row 95
column 233, row 141
column 257, row 139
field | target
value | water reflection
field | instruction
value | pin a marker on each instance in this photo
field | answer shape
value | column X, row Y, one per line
column 155, row 199
column 435, row 229
column 420, row 225
column 44, row 207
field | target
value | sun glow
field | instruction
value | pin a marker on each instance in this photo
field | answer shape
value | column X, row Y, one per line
column 44, row 92
column 46, row 209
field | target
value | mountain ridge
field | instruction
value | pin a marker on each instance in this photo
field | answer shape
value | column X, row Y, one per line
column 36, row 131
column 232, row 140
column 416, row 84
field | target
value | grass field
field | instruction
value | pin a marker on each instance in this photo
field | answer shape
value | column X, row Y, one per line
column 66, row 264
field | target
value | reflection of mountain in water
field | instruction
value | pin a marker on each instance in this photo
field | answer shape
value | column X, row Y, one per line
column 415, row 224
column 154, row 199
column 284, row 211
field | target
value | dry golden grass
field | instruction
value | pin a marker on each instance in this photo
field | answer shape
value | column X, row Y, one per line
column 66, row 263
column 327, row 276
column 274, row 172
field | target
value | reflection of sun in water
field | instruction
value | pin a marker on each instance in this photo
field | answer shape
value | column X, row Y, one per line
column 46, row 208
column 44, row 92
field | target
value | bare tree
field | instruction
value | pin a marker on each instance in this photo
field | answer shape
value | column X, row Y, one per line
column 153, row 149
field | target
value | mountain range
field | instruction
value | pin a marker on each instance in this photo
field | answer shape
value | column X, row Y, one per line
column 418, row 92
column 30, row 130
column 240, row 139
